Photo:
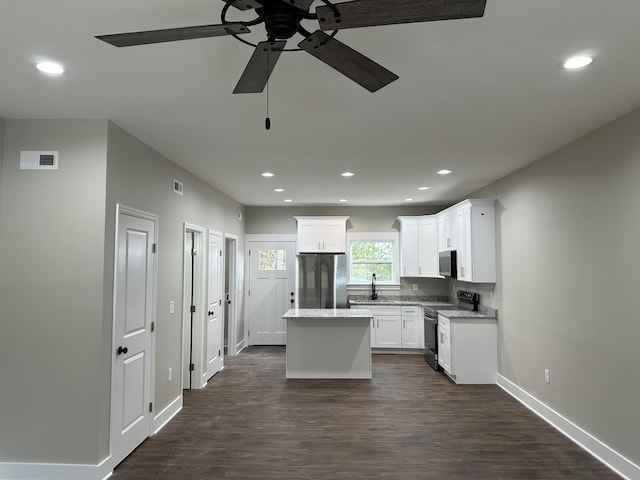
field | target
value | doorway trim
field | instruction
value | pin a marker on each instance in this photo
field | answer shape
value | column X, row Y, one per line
column 231, row 257
column 191, row 351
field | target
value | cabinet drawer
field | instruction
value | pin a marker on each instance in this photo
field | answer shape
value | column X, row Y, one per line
column 382, row 309
column 443, row 323
column 412, row 311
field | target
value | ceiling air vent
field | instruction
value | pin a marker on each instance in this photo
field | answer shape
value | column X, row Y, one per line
column 37, row 160
column 178, row 187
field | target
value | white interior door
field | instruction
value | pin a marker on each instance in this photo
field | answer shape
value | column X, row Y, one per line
column 213, row 330
column 271, row 290
column 132, row 338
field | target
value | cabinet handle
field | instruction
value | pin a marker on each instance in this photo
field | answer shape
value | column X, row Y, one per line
column 404, row 324
column 319, row 246
column 420, row 269
column 324, row 245
column 378, row 323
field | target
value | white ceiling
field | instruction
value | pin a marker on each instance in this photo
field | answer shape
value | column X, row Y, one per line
column 482, row 97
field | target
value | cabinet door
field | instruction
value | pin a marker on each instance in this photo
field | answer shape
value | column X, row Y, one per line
column 444, row 349
column 409, row 248
column 333, row 236
column 428, row 248
column 411, row 332
column 463, row 243
column 388, row 331
column 308, row 236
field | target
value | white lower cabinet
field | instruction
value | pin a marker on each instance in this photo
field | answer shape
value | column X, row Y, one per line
column 396, row 326
column 412, row 327
column 468, row 349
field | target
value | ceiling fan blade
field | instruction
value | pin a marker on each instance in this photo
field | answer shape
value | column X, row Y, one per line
column 257, row 72
column 301, row 4
column 172, row 34
column 244, row 4
column 366, row 13
column 347, row 61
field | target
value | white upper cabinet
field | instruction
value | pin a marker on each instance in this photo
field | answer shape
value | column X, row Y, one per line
column 469, row 228
column 419, row 246
column 322, row 234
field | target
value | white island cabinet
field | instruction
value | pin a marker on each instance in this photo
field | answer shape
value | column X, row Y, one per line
column 328, row 343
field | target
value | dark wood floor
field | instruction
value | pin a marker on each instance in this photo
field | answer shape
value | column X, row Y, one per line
column 409, row 422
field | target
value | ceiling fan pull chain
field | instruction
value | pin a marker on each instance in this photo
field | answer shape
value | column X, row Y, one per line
column 267, row 120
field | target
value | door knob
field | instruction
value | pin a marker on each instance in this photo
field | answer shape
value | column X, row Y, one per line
column 292, row 301
column 122, row 350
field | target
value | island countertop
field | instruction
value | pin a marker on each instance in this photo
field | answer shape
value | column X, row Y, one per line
column 327, row 313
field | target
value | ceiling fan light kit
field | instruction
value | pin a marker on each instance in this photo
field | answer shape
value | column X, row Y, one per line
column 283, row 19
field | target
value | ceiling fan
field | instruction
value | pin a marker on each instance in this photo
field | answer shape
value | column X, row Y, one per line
column 283, row 19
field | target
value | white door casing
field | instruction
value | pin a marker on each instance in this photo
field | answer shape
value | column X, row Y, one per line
column 194, row 295
column 133, row 341
column 234, row 345
column 213, row 358
column 271, row 290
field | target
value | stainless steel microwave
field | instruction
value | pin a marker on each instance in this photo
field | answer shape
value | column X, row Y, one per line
column 447, row 266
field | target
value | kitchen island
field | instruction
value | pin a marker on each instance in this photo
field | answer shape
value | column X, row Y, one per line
column 328, row 343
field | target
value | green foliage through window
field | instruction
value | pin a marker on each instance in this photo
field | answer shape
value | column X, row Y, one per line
column 272, row 259
column 369, row 257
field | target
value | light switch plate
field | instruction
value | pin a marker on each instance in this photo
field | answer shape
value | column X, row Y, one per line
column 172, row 307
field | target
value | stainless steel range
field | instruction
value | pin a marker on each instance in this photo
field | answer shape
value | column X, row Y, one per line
column 466, row 301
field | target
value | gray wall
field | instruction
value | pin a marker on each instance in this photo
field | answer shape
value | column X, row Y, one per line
column 140, row 177
column 51, row 274
column 57, row 233
column 279, row 220
column 568, row 229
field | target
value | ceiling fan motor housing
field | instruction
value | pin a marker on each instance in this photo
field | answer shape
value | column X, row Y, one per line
column 281, row 21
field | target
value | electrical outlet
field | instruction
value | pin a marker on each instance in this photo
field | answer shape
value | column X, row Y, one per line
column 547, row 375
column 170, row 375
column 415, row 286
column 172, row 307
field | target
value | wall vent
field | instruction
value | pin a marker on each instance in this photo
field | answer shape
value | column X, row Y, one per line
column 178, row 187
column 38, row 160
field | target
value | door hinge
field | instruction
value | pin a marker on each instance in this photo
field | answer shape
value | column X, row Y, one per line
column 220, row 252
column 193, row 309
column 219, row 353
column 154, row 247
column 249, row 252
column 192, row 367
column 150, row 406
column 153, row 326
column 220, row 302
column 194, row 252
column 248, row 333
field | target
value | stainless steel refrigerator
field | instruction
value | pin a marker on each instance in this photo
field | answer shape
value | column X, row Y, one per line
column 322, row 281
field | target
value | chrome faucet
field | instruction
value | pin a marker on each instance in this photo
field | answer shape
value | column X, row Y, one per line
column 374, row 295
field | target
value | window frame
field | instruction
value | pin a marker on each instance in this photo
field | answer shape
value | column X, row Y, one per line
column 393, row 237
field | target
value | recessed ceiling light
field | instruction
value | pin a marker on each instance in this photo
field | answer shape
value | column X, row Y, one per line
column 267, row 174
column 576, row 62
column 423, row 188
column 444, row 171
column 50, row 68
column 288, row 200
column 347, row 174
column 343, row 200
column 278, row 190
column 408, row 199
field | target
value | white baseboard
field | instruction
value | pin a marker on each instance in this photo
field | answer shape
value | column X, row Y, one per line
column 612, row 459
column 165, row 416
column 55, row 471
column 240, row 346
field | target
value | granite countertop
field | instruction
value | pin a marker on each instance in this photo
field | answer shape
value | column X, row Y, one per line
column 425, row 301
column 483, row 313
column 327, row 313
column 421, row 301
